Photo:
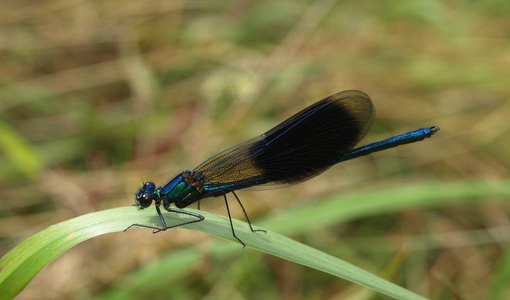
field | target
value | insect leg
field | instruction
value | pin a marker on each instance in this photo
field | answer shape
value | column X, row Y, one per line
column 246, row 215
column 156, row 229
column 198, row 218
column 230, row 219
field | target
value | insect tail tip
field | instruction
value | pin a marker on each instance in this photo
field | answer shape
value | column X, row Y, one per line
column 434, row 129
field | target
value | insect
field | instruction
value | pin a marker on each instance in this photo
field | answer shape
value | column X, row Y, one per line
column 301, row 147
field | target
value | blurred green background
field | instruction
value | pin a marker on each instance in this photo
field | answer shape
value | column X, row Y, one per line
column 95, row 95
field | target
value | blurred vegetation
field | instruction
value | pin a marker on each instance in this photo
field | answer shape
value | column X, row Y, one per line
column 95, row 95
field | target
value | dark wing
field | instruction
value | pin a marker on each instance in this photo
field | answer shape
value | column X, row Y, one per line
column 298, row 149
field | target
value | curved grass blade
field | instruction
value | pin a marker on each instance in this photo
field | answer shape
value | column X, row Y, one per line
column 20, row 265
column 328, row 211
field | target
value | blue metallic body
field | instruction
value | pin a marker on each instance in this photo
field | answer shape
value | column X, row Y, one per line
column 183, row 194
column 296, row 150
column 406, row 138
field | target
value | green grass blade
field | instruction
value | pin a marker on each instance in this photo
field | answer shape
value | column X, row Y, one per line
column 328, row 211
column 20, row 265
column 500, row 285
column 345, row 207
column 19, row 151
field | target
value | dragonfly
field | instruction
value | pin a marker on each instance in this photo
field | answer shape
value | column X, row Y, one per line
column 301, row 147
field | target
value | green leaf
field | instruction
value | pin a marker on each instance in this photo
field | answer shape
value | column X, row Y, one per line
column 19, row 151
column 501, row 280
column 20, row 265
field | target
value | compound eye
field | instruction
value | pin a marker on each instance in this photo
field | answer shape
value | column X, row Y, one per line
column 149, row 186
column 145, row 200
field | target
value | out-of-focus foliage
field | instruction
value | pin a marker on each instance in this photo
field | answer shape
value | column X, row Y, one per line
column 95, row 95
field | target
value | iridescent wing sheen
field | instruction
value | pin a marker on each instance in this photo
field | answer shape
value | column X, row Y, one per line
column 298, row 149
